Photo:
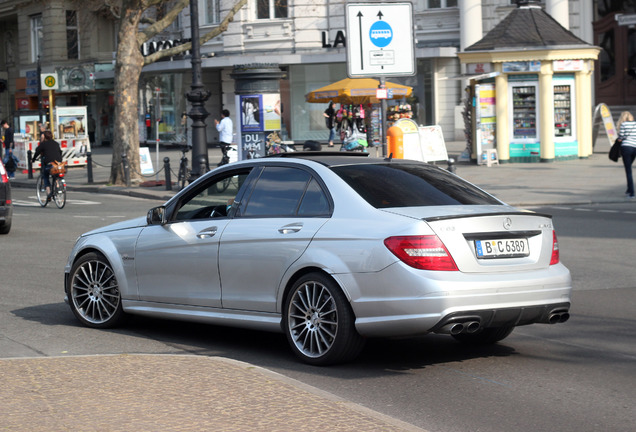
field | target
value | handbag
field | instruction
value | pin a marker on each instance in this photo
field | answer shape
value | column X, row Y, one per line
column 615, row 151
column 58, row 167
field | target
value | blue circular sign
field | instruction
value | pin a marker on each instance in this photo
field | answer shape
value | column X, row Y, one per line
column 381, row 34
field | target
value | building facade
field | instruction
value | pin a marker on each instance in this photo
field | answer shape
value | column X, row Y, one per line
column 305, row 38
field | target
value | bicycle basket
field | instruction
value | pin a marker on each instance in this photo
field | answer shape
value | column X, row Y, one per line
column 58, row 167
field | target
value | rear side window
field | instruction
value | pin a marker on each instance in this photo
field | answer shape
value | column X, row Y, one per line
column 410, row 185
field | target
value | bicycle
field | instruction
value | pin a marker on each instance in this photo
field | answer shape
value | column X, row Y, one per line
column 225, row 159
column 58, row 189
column 184, row 172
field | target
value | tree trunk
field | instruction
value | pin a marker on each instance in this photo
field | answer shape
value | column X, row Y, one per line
column 128, row 67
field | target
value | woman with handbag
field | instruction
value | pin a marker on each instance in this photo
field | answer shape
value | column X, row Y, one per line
column 627, row 133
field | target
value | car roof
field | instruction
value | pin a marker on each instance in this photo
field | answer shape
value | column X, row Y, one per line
column 331, row 158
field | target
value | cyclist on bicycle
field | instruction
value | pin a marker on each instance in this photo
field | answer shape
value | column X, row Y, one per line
column 50, row 151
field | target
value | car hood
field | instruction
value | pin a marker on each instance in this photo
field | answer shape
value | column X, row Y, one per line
column 132, row 223
column 430, row 212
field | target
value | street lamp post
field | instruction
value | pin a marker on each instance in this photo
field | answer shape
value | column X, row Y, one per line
column 197, row 96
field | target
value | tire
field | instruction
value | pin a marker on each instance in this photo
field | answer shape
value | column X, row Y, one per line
column 41, row 192
column 93, row 292
column 319, row 323
column 486, row 336
column 60, row 193
column 5, row 227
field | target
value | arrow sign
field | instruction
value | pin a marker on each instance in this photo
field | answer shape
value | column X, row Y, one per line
column 380, row 41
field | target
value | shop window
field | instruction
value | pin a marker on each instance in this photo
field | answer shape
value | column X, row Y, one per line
column 212, row 11
column 37, row 34
column 438, row 4
column 266, row 9
column 72, row 35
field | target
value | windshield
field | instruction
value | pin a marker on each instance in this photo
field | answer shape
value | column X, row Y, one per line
column 410, row 185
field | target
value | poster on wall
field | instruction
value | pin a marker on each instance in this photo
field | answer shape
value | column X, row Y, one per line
column 251, row 113
column 271, row 112
column 252, row 145
column 486, row 116
column 71, row 122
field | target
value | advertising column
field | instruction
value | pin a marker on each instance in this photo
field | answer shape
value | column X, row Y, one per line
column 486, row 120
column 258, row 111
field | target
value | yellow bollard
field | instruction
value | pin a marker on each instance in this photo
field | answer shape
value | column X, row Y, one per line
column 395, row 142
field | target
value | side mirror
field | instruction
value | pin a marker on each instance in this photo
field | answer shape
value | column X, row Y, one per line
column 156, row 216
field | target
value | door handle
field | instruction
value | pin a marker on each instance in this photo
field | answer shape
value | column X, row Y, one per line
column 291, row 228
column 206, row 233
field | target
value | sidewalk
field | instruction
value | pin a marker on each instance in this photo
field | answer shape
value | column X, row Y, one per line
column 170, row 393
column 581, row 181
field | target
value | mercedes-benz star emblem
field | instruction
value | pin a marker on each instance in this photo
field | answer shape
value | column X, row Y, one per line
column 507, row 223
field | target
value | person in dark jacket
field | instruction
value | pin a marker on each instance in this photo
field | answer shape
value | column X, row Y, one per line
column 49, row 151
column 7, row 132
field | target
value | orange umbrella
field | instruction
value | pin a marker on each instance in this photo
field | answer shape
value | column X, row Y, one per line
column 356, row 91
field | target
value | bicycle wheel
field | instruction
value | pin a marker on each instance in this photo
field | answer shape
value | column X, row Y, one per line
column 59, row 192
column 222, row 185
column 41, row 191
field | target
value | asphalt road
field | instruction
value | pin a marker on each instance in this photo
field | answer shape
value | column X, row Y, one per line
column 577, row 376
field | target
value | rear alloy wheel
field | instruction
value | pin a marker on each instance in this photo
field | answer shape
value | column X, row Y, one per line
column 94, row 294
column 486, row 336
column 319, row 322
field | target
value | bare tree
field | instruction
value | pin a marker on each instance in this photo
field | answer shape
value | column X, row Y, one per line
column 134, row 30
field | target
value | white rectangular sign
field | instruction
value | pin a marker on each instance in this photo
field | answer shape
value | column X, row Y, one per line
column 380, row 39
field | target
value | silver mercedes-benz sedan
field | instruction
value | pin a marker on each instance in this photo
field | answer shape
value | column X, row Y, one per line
column 329, row 250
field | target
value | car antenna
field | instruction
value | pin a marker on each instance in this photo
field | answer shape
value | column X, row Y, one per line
column 390, row 156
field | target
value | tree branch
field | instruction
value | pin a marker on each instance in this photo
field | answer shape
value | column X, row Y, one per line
column 203, row 39
column 157, row 27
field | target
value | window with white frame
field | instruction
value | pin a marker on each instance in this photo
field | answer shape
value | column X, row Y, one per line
column 212, row 11
column 266, row 9
column 37, row 35
column 72, row 35
column 438, row 4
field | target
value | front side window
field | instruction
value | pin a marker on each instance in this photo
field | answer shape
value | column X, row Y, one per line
column 266, row 9
column 213, row 199
column 72, row 35
column 36, row 37
column 212, row 11
column 410, row 185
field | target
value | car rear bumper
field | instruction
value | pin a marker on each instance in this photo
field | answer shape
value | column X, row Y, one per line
column 401, row 301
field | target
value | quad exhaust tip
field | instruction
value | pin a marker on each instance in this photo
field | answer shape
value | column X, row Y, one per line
column 460, row 327
column 558, row 317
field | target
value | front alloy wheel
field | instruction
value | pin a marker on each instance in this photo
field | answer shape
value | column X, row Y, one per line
column 319, row 322
column 93, row 293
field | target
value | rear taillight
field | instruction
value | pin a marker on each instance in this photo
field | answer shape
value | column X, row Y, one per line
column 421, row 252
column 5, row 178
column 555, row 249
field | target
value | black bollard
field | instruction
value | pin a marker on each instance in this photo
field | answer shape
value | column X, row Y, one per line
column 451, row 165
column 166, row 168
column 124, row 161
column 89, row 167
column 29, row 164
column 203, row 165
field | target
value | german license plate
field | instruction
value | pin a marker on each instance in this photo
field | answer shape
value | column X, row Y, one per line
column 502, row 248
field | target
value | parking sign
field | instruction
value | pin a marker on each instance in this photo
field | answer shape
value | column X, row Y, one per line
column 380, row 39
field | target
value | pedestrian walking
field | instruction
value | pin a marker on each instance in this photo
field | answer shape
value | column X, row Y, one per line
column 627, row 132
column 225, row 128
column 330, row 115
column 9, row 160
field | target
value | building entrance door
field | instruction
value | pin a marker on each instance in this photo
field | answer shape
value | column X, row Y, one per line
column 615, row 74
